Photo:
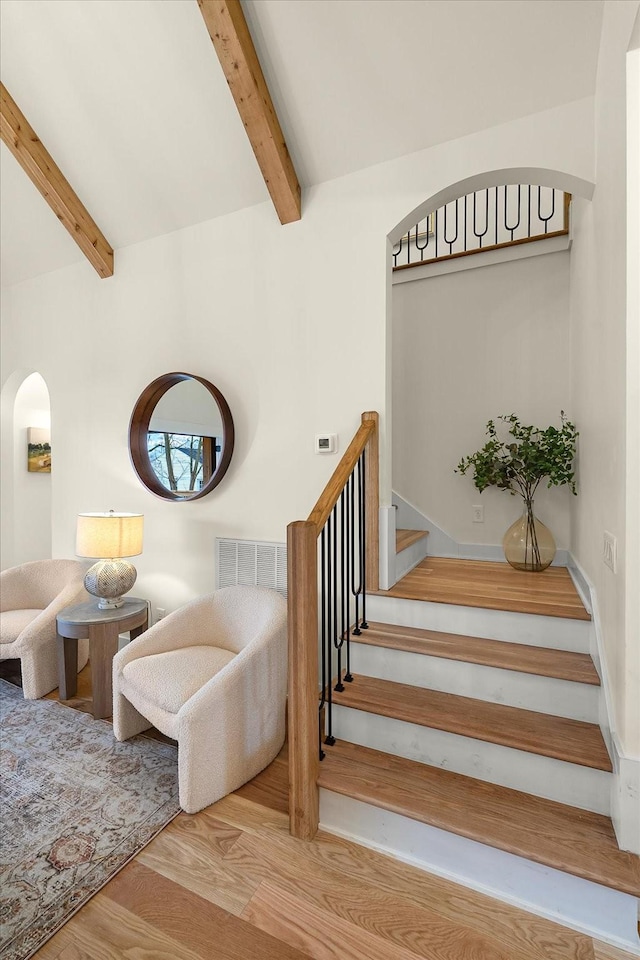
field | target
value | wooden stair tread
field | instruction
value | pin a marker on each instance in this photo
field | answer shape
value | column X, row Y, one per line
column 566, row 838
column 541, row 661
column 571, row 740
column 492, row 586
column 405, row 538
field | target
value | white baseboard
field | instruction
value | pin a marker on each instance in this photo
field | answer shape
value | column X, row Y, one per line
column 442, row 545
column 583, row 906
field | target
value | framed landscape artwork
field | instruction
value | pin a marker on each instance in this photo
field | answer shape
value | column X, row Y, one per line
column 38, row 450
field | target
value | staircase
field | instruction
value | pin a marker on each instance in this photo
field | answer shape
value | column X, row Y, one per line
column 478, row 754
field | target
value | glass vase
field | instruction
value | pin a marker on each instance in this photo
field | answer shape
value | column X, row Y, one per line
column 528, row 544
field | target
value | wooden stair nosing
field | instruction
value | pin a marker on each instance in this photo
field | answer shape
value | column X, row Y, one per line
column 523, row 658
column 573, row 741
column 545, row 831
column 406, row 538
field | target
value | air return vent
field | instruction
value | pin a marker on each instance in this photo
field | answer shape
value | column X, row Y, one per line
column 251, row 562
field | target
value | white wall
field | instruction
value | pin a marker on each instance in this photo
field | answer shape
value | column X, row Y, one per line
column 292, row 330
column 468, row 347
column 598, row 346
column 32, row 499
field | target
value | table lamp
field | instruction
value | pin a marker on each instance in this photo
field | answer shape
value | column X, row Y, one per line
column 107, row 538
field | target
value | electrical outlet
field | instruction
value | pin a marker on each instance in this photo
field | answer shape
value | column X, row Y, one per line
column 610, row 551
column 478, row 513
column 160, row 613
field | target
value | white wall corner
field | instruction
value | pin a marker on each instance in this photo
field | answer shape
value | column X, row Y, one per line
column 387, row 563
column 625, row 782
column 625, row 799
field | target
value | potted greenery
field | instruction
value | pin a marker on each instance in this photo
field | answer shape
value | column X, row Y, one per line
column 519, row 464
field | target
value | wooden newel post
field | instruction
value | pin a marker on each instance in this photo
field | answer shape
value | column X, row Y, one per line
column 372, row 504
column 302, row 626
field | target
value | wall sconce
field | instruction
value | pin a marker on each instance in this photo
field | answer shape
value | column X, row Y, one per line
column 108, row 537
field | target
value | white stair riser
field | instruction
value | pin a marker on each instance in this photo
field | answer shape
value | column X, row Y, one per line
column 540, row 776
column 584, row 906
column 560, row 698
column 410, row 557
column 557, row 633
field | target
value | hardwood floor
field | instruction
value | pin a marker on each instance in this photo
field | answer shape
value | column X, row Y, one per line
column 230, row 883
column 495, row 586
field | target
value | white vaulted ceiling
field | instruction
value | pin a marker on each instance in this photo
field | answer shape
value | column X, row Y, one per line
column 129, row 98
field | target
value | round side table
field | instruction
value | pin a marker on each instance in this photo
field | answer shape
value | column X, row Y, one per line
column 102, row 627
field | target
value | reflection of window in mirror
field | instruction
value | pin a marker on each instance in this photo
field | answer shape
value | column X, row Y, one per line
column 181, row 461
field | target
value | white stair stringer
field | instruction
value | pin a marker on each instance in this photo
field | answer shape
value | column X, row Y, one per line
column 557, row 633
column 582, row 905
column 541, row 776
column 561, row 698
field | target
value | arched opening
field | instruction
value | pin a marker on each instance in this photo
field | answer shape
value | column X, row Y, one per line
column 466, row 347
column 26, row 485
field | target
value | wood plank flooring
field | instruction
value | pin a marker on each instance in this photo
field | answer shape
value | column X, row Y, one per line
column 569, row 839
column 541, row 661
column 230, row 883
column 496, row 586
column 406, row 538
column 571, row 740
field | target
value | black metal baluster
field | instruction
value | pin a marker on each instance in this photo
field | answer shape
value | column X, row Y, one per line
column 480, row 235
column 354, row 590
column 363, row 527
column 339, row 638
column 435, row 232
column 529, row 212
column 323, row 639
column 466, row 220
column 422, row 249
column 347, row 583
column 517, row 223
column 496, row 216
column 455, row 238
column 330, row 739
column 334, row 623
column 545, row 220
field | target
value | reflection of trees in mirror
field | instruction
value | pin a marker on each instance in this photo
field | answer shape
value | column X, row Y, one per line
column 181, row 461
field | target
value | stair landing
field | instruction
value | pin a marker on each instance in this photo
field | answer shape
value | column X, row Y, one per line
column 493, row 586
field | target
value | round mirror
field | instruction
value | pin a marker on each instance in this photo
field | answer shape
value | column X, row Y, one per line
column 181, row 437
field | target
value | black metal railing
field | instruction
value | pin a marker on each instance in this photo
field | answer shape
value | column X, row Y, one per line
column 484, row 220
column 343, row 593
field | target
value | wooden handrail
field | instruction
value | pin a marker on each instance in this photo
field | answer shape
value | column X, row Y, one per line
column 329, row 497
column 302, row 626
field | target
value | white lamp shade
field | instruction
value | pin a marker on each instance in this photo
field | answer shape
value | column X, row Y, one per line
column 108, row 535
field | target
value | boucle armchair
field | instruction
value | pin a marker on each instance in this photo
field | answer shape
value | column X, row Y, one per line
column 213, row 676
column 31, row 596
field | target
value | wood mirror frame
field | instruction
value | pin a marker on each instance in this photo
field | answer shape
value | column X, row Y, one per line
column 139, row 428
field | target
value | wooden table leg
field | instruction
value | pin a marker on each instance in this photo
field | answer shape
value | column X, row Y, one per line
column 67, row 667
column 103, row 646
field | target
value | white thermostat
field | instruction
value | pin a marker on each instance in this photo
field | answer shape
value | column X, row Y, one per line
column 326, row 442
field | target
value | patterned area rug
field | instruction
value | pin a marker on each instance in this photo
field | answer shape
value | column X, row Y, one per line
column 75, row 806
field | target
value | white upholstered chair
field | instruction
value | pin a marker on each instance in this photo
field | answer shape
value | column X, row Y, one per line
column 31, row 595
column 213, row 676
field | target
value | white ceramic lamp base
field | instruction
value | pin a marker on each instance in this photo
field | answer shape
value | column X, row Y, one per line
column 108, row 580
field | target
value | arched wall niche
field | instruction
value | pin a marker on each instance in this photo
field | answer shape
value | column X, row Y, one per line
column 26, row 497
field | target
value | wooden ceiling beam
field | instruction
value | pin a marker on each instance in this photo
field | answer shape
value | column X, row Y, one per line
column 40, row 167
column 230, row 35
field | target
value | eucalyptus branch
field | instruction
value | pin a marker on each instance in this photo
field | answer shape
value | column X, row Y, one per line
column 530, row 454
